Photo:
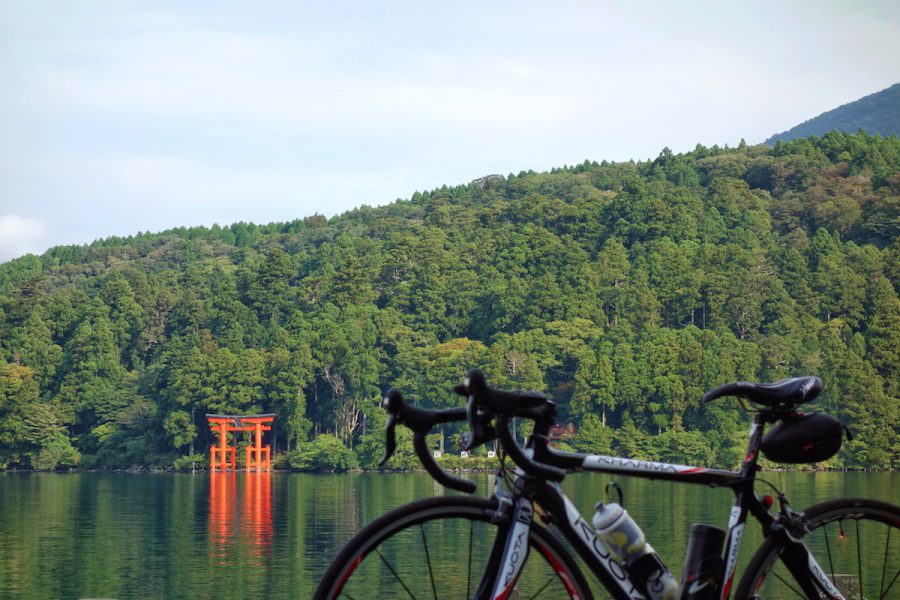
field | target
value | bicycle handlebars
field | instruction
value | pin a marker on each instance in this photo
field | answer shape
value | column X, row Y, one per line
column 420, row 421
column 489, row 412
column 484, row 404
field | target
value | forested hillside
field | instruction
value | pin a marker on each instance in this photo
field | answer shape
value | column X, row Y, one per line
column 876, row 113
column 624, row 290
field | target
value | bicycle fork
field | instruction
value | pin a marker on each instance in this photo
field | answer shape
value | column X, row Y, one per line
column 800, row 561
column 510, row 549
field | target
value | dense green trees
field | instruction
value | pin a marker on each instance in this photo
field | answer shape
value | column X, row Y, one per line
column 624, row 290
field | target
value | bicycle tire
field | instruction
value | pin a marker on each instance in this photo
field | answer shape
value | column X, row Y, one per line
column 394, row 557
column 840, row 533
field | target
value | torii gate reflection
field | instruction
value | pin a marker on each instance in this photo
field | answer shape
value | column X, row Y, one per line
column 240, row 521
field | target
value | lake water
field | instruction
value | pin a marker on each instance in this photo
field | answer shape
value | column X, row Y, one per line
column 260, row 535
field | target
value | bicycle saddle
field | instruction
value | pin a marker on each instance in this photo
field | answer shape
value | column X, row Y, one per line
column 781, row 394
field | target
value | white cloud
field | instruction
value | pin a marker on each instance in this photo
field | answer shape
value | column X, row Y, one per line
column 20, row 235
column 155, row 192
column 298, row 85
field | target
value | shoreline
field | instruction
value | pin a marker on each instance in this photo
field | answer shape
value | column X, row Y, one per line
column 151, row 470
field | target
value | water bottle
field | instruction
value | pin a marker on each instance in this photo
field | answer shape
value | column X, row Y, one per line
column 625, row 541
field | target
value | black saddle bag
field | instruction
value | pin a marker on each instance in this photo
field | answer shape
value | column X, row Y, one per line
column 803, row 438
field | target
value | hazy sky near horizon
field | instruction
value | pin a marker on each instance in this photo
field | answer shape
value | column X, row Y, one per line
column 120, row 117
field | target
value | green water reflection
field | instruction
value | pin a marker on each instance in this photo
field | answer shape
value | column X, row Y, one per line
column 118, row 535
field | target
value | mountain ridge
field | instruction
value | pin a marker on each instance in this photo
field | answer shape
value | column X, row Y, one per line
column 876, row 113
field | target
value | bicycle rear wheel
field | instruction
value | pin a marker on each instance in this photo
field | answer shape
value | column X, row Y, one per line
column 437, row 548
column 855, row 541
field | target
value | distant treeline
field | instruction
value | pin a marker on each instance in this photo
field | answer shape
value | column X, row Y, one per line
column 624, row 290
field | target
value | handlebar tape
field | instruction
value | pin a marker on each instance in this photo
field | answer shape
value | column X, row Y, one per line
column 500, row 401
column 421, row 420
column 515, row 453
column 441, row 476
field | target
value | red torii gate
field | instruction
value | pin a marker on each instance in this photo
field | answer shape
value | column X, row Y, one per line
column 257, row 456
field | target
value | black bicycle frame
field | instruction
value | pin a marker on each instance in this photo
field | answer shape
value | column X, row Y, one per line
column 506, row 563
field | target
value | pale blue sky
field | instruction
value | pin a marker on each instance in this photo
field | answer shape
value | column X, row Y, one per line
column 118, row 117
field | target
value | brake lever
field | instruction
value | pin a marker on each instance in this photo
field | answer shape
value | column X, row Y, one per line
column 467, row 440
column 480, row 429
column 390, row 442
column 392, row 402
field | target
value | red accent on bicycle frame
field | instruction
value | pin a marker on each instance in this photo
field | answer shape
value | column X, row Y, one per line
column 726, row 591
column 693, row 471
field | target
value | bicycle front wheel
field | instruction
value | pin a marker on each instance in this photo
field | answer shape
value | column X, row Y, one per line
column 438, row 548
column 855, row 541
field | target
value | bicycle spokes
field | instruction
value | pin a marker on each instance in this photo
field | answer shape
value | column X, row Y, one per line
column 859, row 558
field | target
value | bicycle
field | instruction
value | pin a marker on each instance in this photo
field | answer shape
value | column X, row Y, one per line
column 479, row 547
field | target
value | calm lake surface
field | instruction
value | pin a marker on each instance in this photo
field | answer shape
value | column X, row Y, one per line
column 259, row 535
